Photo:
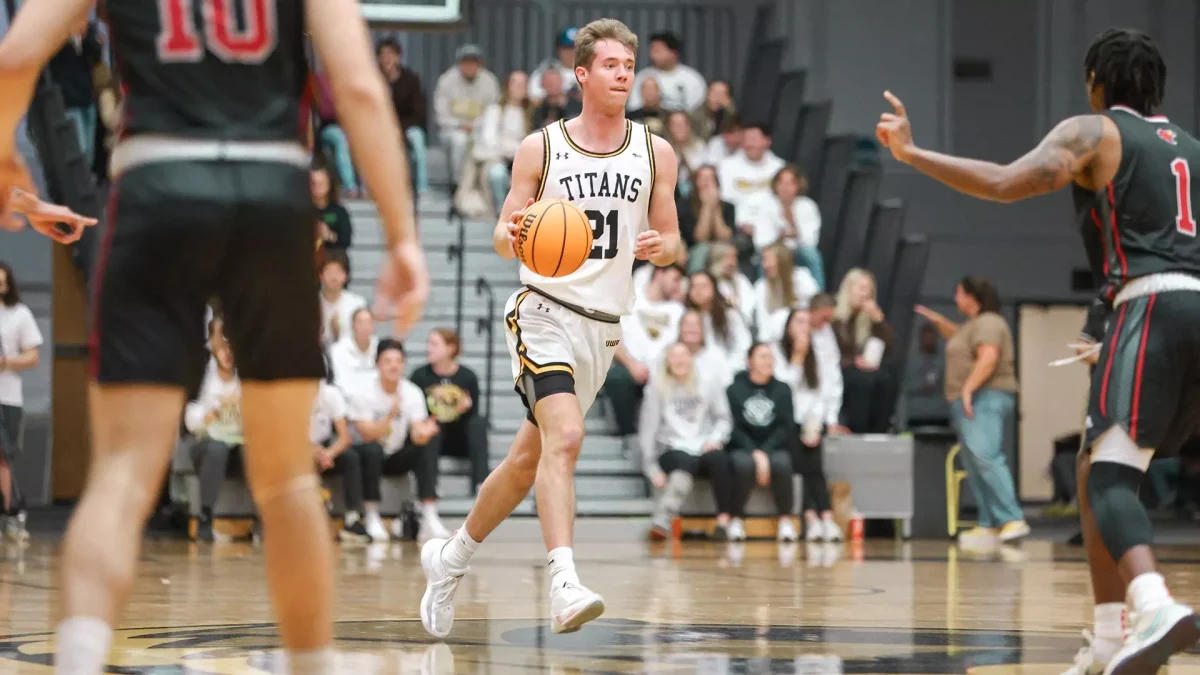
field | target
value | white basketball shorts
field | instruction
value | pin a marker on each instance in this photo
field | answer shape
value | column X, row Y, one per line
column 545, row 337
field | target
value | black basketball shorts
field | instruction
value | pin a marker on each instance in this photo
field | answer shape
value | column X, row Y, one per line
column 1147, row 380
column 183, row 232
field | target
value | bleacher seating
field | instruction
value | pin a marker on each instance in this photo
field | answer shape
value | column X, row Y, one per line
column 883, row 246
column 854, row 221
column 784, row 120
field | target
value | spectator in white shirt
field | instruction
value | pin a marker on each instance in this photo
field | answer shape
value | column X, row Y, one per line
column 329, row 433
column 683, row 88
column 460, row 96
column 786, row 214
column 215, row 419
column 704, row 358
column 652, row 324
column 683, row 428
column 749, row 172
column 563, row 64
column 394, row 435
column 689, row 151
column 337, row 304
column 352, row 358
column 726, row 142
column 829, row 356
column 724, row 326
column 499, row 132
column 732, row 284
column 782, row 288
column 813, row 387
column 20, row 341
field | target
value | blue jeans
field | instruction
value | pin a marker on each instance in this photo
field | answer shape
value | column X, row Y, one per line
column 983, row 456
column 335, row 138
column 499, row 180
column 810, row 257
column 85, row 126
column 417, row 148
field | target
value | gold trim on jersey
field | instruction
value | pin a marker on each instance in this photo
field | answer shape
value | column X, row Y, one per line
column 650, row 153
column 562, row 126
column 527, row 364
column 545, row 165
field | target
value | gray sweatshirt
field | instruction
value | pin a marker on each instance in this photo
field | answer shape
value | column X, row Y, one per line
column 683, row 417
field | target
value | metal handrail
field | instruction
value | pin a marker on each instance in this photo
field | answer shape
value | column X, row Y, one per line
column 486, row 324
column 457, row 252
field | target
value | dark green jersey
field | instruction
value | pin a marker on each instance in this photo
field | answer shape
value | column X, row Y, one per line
column 1146, row 216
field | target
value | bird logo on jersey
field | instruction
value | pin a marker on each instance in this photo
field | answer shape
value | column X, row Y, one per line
column 1168, row 135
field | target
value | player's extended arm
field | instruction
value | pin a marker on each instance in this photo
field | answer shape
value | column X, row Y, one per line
column 1064, row 156
column 38, row 31
column 664, row 218
column 526, row 178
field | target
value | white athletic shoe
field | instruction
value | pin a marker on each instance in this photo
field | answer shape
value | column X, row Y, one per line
column 786, row 531
column 571, row 606
column 1086, row 662
column 830, row 531
column 736, row 530
column 374, row 526
column 1156, row 634
column 432, row 528
column 437, row 605
column 813, row 531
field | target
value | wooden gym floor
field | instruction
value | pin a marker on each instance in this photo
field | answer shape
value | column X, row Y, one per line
column 882, row 607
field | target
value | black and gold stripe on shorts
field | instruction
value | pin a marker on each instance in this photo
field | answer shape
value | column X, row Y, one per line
column 528, row 366
column 545, row 165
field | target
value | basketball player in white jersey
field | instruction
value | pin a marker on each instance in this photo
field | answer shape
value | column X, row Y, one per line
column 563, row 332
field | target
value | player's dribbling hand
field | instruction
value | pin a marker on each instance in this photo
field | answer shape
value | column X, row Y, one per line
column 649, row 245
column 514, row 225
column 893, row 130
column 403, row 287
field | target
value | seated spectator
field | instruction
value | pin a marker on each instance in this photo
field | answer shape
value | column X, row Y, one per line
column 394, row 435
column 689, row 151
column 408, row 97
column 337, row 304
column 452, row 397
column 782, row 288
column 704, row 359
column 651, row 112
column 864, row 340
column 215, row 419
column 334, row 138
column 563, row 64
column 352, row 358
column 787, row 215
column 558, row 103
column 981, row 386
column 683, row 428
column 681, row 87
column 20, row 351
column 329, row 434
column 652, row 324
column 704, row 218
column 334, row 230
column 734, row 286
column 462, row 94
column 760, row 445
column 498, row 134
column 643, row 270
column 748, row 173
column 726, row 142
column 718, row 104
column 814, row 385
column 724, row 326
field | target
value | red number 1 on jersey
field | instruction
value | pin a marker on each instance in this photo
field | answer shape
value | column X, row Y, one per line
column 180, row 42
column 1185, row 220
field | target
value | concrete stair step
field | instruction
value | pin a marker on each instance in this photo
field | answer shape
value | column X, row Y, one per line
column 587, row 465
column 632, row 507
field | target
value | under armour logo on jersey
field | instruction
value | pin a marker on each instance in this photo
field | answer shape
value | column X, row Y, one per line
column 1167, row 135
column 636, row 155
column 543, row 308
column 561, row 155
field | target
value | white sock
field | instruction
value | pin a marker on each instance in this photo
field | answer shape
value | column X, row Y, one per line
column 82, row 648
column 1148, row 590
column 429, row 510
column 1109, row 631
column 457, row 552
column 371, row 509
column 314, row 662
column 562, row 567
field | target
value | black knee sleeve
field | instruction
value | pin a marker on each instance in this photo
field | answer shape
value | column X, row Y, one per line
column 534, row 388
column 1122, row 520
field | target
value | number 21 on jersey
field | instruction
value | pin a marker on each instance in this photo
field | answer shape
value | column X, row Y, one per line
column 1185, row 219
column 181, row 41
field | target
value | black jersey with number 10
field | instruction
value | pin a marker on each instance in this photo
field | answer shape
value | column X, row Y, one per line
column 1147, row 214
column 222, row 69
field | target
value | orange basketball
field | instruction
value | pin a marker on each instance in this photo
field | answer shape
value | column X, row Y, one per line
column 555, row 238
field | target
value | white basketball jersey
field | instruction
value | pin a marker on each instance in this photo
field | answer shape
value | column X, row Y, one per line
column 613, row 189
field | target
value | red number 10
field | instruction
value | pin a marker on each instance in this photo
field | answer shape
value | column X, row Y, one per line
column 1185, row 220
column 179, row 41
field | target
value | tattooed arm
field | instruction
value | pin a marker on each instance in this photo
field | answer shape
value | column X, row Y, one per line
column 1063, row 157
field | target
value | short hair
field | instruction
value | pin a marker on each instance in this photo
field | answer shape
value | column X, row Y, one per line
column 761, row 126
column 1129, row 66
column 389, row 43
column 386, row 345
column 450, row 338
column 983, row 291
column 730, row 122
column 601, row 29
column 337, row 257
column 822, row 301
column 667, row 268
column 12, row 296
column 670, row 40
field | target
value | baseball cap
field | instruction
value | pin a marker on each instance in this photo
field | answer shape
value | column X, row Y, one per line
column 566, row 38
column 468, row 52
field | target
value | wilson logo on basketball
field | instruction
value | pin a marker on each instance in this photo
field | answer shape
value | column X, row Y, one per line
column 523, row 234
column 1168, row 135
